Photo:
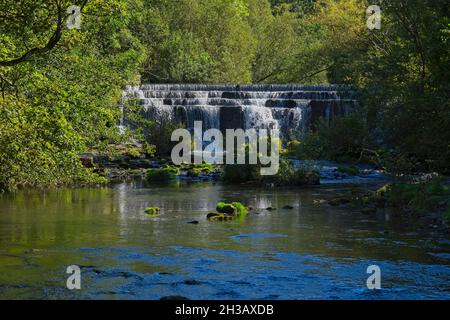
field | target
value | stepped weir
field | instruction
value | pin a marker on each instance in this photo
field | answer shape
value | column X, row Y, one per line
column 290, row 108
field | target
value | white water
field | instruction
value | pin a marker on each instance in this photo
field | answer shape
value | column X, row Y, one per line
column 283, row 107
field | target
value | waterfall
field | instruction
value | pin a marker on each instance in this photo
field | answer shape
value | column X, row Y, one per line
column 291, row 108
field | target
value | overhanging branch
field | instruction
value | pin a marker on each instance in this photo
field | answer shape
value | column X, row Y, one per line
column 51, row 43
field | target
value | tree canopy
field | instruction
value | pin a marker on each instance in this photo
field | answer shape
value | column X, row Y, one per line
column 59, row 87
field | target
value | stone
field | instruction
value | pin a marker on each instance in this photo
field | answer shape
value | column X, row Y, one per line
column 227, row 208
column 212, row 215
column 152, row 211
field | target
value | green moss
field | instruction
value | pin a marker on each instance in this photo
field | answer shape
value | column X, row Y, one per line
column 228, row 211
column 162, row 175
column 198, row 169
column 240, row 208
column 227, row 208
column 152, row 211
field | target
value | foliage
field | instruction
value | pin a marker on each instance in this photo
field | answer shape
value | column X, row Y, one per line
column 162, row 175
column 399, row 71
column 197, row 169
column 58, row 104
column 288, row 175
column 155, row 134
column 61, row 99
column 418, row 197
column 342, row 140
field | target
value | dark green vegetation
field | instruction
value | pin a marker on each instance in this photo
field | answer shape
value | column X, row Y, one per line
column 59, row 88
column 228, row 211
column 416, row 198
column 162, row 175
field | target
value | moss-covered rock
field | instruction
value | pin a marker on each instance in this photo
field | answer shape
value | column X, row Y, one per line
column 152, row 211
column 227, row 208
column 212, row 215
column 228, row 211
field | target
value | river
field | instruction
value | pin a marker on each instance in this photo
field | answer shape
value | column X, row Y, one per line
column 314, row 251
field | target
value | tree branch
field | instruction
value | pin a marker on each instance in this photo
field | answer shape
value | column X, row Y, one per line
column 52, row 42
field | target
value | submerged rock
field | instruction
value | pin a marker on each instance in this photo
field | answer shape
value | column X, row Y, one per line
column 192, row 282
column 338, row 201
column 212, row 215
column 288, row 207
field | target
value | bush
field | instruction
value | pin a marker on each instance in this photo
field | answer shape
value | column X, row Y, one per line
column 197, row 169
column 293, row 147
column 418, row 197
column 162, row 175
column 133, row 152
column 342, row 140
column 288, row 175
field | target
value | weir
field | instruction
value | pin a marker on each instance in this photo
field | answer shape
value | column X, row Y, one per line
column 290, row 108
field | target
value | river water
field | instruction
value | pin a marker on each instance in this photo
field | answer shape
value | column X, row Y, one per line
column 313, row 251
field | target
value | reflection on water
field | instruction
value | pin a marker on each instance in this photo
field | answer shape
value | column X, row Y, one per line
column 313, row 251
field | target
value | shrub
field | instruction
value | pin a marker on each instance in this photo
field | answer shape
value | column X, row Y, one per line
column 342, row 140
column 133, row 152
column 197, row 169
column 288, row 175
column 162, row 175
column 293, row 147
column 418, row 197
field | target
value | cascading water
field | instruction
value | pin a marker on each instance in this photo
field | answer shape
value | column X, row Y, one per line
column 291, row 109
